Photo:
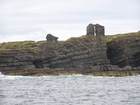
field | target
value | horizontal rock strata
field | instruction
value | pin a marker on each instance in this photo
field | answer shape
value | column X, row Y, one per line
column 78, row 53
column 125, row 51
column 87, row 54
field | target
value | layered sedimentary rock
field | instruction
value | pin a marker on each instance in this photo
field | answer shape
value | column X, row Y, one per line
column 17, row 59
column 86, row 52
column 77, row 53
column 125, row 51
column 89, row 54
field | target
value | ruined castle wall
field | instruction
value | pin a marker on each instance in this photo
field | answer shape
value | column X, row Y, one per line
column 95, row 30
column 100, row 30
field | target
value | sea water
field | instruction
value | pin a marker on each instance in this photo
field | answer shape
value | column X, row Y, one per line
column 69, row 90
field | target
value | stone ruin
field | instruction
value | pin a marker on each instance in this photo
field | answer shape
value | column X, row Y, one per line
column 92, row 29
column 51, row 38
column 95, row 29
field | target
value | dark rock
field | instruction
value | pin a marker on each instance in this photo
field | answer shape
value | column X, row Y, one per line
column 124, row 51
column 51, row 38
column 86, row 54
column 82, row 53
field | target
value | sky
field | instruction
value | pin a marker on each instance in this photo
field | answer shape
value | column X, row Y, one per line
column 22, row 20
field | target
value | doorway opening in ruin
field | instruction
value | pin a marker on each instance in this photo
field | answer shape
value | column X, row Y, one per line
column 38, row 64
column 95, row 30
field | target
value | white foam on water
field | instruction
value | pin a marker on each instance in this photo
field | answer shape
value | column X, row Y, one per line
column 1, row 75
column 78, row 75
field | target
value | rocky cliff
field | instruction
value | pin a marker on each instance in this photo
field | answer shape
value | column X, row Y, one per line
column 85, row 52
column 88, row 54
column 124, row 50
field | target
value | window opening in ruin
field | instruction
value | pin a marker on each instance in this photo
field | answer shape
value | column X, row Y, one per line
column 95, row 30
column 38, row 64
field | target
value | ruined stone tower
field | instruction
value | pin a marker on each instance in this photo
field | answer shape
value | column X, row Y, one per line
column 95, row 29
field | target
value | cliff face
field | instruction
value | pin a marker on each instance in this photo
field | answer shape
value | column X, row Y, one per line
column 86, row 55
column 17, row 59
column 77, row 53
column 84, row 52
column 125, row 50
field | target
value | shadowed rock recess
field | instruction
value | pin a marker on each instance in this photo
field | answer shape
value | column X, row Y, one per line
column 91, row 54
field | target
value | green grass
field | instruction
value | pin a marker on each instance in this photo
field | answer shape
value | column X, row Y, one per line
column 16, row 45
column 20, row 45
column 35, row 45
column 77, row 38
column 113, row 37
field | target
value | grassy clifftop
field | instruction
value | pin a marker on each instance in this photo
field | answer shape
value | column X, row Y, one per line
column 35, row 45
column 111, row 38
column 20, row 45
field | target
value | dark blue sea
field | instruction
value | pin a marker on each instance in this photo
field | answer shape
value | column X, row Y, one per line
column 69, row 90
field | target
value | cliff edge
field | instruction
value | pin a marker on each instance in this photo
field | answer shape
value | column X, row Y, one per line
column 94, row 54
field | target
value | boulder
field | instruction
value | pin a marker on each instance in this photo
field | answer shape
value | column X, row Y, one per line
column 51, row 38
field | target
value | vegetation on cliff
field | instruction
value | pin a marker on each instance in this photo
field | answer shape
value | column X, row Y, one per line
column 75, row 53
column 88, row 52
column 111, row 38
column 124, row 50
column 20, row 45
column 35, row 45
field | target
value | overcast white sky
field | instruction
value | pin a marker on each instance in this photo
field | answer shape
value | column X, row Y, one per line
column 33, row 19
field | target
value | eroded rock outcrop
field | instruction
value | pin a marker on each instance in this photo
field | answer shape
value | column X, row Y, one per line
column 17, row 59
column 125, row 51
column 85, row 55
column 76, row 53
column 51, row 38
column 86, row 52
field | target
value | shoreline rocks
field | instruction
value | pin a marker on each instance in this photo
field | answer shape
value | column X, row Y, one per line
column 59, row 72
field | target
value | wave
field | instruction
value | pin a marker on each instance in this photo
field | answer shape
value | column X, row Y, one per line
column 1, row 74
